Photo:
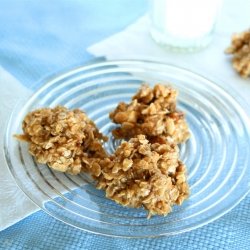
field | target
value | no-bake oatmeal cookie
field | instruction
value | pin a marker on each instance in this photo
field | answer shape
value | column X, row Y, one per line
column 60, row 138
column 145, row 174
column 240, row 48
column 152, row 112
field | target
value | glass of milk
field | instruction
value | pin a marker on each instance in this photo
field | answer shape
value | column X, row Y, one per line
column 185, row 25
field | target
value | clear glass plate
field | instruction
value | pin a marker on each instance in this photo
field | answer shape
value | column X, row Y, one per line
column 216, row 155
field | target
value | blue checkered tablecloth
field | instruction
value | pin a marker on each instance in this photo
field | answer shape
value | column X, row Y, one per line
column 38, row 38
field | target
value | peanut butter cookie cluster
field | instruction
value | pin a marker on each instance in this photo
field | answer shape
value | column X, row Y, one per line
column 146, row 174
column 240, row 48
column 152, row 112
column 59, row 137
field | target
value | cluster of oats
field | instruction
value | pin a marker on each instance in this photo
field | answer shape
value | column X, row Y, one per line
column 61, row 138
column 240, row 48
column 146, row 174
column 145, row 171
column 152, row 112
